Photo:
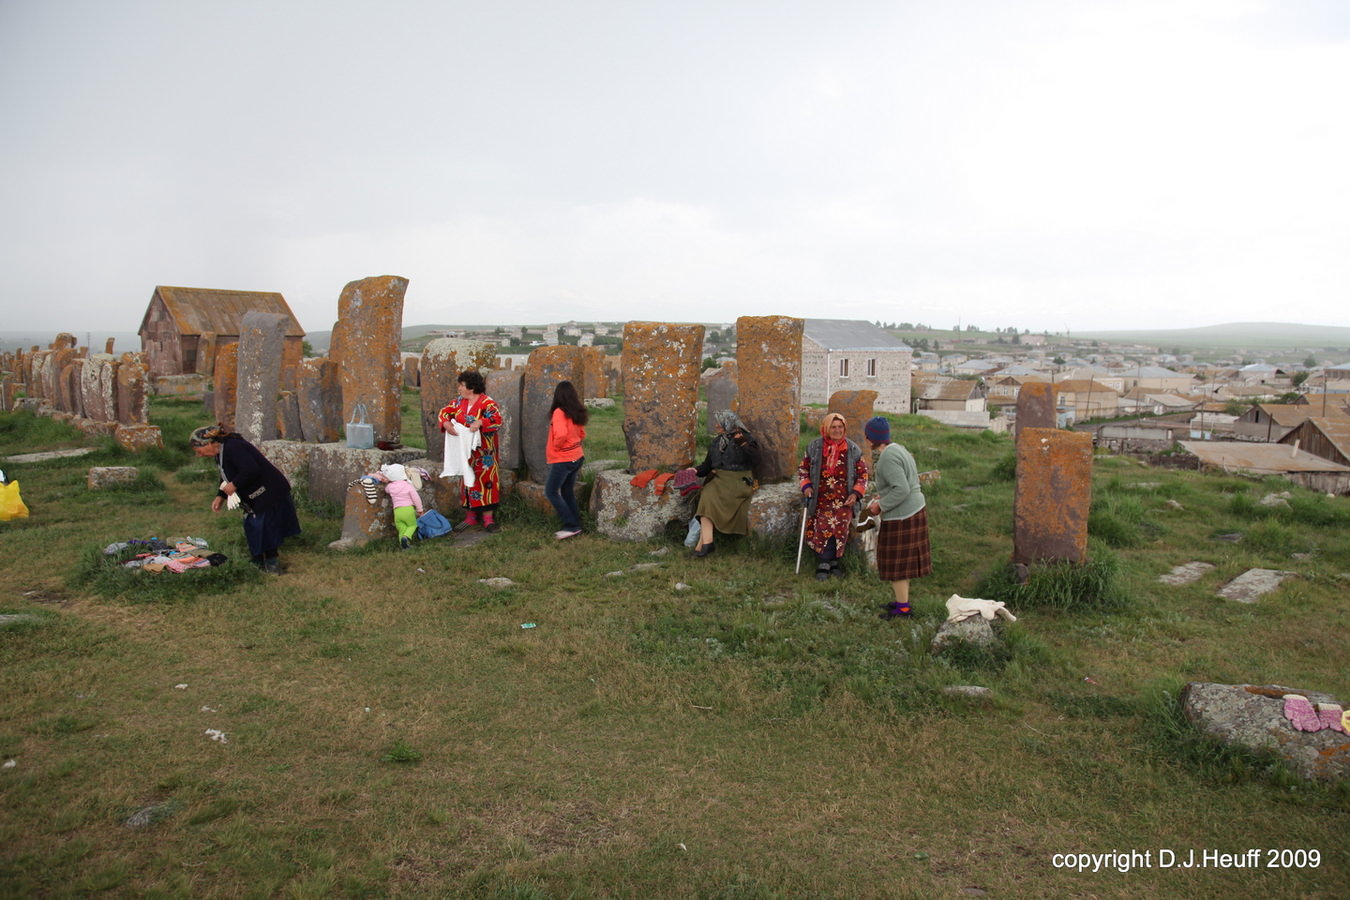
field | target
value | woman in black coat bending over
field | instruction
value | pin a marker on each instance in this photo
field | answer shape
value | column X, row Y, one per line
column 262, row 491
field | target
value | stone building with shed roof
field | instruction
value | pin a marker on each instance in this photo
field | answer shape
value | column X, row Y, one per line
column 183, row 327
column 854, row 355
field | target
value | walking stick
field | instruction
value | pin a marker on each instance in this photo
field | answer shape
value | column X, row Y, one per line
column 801, row 541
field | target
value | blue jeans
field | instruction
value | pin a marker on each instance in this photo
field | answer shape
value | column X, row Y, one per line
column 560, row 489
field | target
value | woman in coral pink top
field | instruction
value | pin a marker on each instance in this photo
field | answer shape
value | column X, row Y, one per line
column 566, row 431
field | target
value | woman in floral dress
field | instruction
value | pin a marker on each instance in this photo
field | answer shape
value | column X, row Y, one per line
column 833, row 478
column 476, row 411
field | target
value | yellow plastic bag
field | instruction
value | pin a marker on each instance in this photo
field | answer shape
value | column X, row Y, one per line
column 11, row 504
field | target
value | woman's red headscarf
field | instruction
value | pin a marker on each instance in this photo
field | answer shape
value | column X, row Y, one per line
column 834, row 450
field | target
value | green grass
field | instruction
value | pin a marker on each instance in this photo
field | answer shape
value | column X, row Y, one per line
column 684, row 728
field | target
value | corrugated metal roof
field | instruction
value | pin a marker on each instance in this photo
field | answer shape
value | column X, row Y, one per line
column 203, row 310
column 1262, row 459
column 1079, row 386
column 851, row 334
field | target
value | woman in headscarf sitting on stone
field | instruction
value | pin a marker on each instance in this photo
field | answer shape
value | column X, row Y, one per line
column 261, row 489
column 729, row 480
column 833, row 480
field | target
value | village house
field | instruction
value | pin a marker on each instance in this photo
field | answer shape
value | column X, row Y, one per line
column 1268, row 422
column 1327, row 437
column 1087, row 399
column 853, row 355
column 1154, row 402
column 183, row 327
column 952, row 394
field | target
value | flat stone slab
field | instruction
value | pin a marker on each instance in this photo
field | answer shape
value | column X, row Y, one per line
column 1253, row 716
column 1186, row 573
column 48, row 455
column 1252, row 584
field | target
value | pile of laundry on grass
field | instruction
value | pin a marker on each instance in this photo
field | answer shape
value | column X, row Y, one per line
column 155, row 555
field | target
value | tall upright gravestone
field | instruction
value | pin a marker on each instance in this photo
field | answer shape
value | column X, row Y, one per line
column 133, row 395
column 319, row 398
column 366, row 338
column 1036, row 406
column 544, row 369
column 443, row 359
column 769, row 375
column 1053, row 495
column 856, row 407
column 660, row 371
column 261, row 340
column 225, row 377
column 506, row 387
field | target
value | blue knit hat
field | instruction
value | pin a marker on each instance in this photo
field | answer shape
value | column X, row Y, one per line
column 877, row 430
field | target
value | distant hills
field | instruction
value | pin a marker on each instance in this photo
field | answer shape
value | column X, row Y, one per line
column 1237, row 335
column 1254, row 336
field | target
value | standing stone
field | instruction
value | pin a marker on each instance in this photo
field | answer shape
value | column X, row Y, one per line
column 769, row 365
column 856, row 407
column 412, row 375
column 1052, row 496
column 370, row 322
column 261, row 339
column 591, row 380
column 545, row 368
column 442, row 361
column 719, row 387
column 108, row 347
column 660, row 364
column 225, row 375
column 1036, row 406
column 288, row 417
column 507, row 387
column 319, row 400
column 69, row 395
column 133, row 395
column 90, row 380
column 207, row 345
column 107, row 388
column 53, row 390
column 65, row 341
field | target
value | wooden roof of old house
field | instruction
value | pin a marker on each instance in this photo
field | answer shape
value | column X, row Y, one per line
column 1335, row 430
column 198, row 311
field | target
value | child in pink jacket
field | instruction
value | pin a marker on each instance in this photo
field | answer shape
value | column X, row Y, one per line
column 405, row 499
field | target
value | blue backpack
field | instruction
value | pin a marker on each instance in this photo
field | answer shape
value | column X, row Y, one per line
column 432, row 524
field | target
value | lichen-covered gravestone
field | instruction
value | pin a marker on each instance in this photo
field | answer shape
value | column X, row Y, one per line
column 366, row 339
column 769, row 390
column 1052, row 496
column 661, row 366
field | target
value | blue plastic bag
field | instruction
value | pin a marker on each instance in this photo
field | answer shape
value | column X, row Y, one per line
column 432, row 524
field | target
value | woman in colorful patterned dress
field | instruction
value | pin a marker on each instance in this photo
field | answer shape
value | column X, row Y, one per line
column 476, row 411
column 833, row 479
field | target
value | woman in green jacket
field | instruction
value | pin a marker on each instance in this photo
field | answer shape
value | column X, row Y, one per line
column 903, row 550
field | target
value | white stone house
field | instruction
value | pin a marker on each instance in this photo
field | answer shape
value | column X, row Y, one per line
column 853, row 355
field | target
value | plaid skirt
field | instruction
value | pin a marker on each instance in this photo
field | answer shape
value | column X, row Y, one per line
column 902, row 548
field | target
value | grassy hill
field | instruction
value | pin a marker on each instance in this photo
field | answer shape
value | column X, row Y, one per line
column 626, row 721
column 1237, row 336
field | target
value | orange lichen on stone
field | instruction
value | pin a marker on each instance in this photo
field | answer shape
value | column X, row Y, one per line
column 1053, row 495
column 661, row 366
column 370, row 320
column 769, row 388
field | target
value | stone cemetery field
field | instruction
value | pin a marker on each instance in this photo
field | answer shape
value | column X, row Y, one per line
column 512, row 716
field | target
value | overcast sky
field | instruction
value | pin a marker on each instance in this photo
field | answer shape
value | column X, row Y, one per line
column 1044, row 164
